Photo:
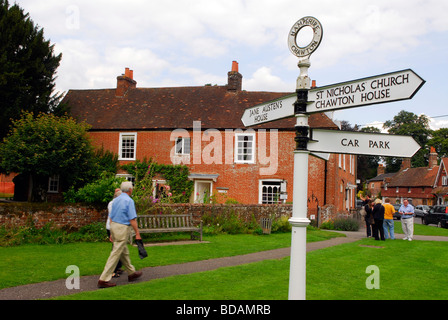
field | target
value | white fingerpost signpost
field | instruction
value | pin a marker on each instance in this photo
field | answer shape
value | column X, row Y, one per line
column 388, row 87
column 299, row 219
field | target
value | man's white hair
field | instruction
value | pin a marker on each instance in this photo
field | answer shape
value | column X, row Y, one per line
column 126, row 186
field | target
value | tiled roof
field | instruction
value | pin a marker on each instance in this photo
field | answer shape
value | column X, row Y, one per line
column 381, row 177
column 440, row 190
column 414, row 177
column 177, row 107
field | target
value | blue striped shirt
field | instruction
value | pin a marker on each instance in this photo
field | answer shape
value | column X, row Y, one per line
column 406, row 209
column 123, row 209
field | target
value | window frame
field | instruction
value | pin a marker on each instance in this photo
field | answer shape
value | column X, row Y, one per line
column 252, row 153
column 184, row 144
column 277, row 183
column 120, row 145
column 53, row 184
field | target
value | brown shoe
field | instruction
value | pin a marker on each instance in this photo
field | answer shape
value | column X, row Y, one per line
column 135, row 275
column 105, row 284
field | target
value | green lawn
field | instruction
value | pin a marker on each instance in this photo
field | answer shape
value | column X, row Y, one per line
column 420, row 229
column 37, row 263
column 408, row 270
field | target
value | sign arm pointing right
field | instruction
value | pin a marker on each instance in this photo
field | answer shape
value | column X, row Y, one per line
column 349, row 142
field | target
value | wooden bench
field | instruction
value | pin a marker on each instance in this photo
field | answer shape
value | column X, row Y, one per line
column 159, row 223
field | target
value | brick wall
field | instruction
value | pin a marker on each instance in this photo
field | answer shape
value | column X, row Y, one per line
column 244, row 211
column 70, row 217
column 73, row 217
column 241, row 181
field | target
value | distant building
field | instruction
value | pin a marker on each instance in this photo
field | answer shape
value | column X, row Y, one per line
column 376, row 184
column 440, row 190
column 416, row 184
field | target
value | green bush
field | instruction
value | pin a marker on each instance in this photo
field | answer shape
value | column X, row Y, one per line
column 48, row 234
column 281, row 224
column 231, row 222
column 341, row 224
column 328, row 225
column 100, row 191
column 228, row 222
column 176, row 176
column 346, row 224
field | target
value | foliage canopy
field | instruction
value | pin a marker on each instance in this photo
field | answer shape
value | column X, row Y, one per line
column 48, row 145
column 27, row 67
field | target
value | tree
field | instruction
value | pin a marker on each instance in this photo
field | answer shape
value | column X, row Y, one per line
column 27, row 67
column 368, row 164
column 439, row 141
column 408, row 123
column 45, row 146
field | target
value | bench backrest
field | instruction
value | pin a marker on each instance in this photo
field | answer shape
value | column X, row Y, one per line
column 156, row 221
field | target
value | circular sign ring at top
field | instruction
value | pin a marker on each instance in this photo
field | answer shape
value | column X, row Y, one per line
column 317, row 36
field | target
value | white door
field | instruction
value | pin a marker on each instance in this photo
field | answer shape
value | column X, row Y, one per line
column 202, row 191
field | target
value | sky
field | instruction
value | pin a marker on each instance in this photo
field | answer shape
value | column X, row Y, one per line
column 173, row 43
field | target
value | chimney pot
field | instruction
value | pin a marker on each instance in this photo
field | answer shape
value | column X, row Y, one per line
column 433, row 157
column 405, row 164
column 125, row 82
column 234, row 78
column 381, row 169
column 234, row 66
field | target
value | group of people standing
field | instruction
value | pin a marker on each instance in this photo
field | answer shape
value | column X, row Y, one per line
column 379, row 218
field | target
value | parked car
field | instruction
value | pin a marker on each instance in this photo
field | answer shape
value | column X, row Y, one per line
column 421, row 210
column 437, row 215
column 418, row 210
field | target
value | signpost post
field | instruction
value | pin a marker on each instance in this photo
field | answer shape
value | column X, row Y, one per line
column 299, row 220
column 389, row 87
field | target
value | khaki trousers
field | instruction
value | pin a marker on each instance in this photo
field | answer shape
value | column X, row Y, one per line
column 408, row 227
column 120, row 236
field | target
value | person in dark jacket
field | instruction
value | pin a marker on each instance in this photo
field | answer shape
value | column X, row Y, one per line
column 368, row 217
column 378, row 217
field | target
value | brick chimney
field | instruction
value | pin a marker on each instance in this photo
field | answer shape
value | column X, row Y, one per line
column 125, row 82
column 405, row 163
column 433, row 156
column 381, row 169
column 235, row 79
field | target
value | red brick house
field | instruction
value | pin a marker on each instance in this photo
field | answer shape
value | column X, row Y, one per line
column 440, row 191
column 201, row 127
column 413, row 183
column 376, row 184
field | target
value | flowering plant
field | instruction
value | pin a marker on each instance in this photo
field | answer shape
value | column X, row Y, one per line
column 150, row 191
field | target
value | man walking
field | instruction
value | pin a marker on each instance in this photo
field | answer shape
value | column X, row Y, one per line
column 407, row 220
column 123, row 215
